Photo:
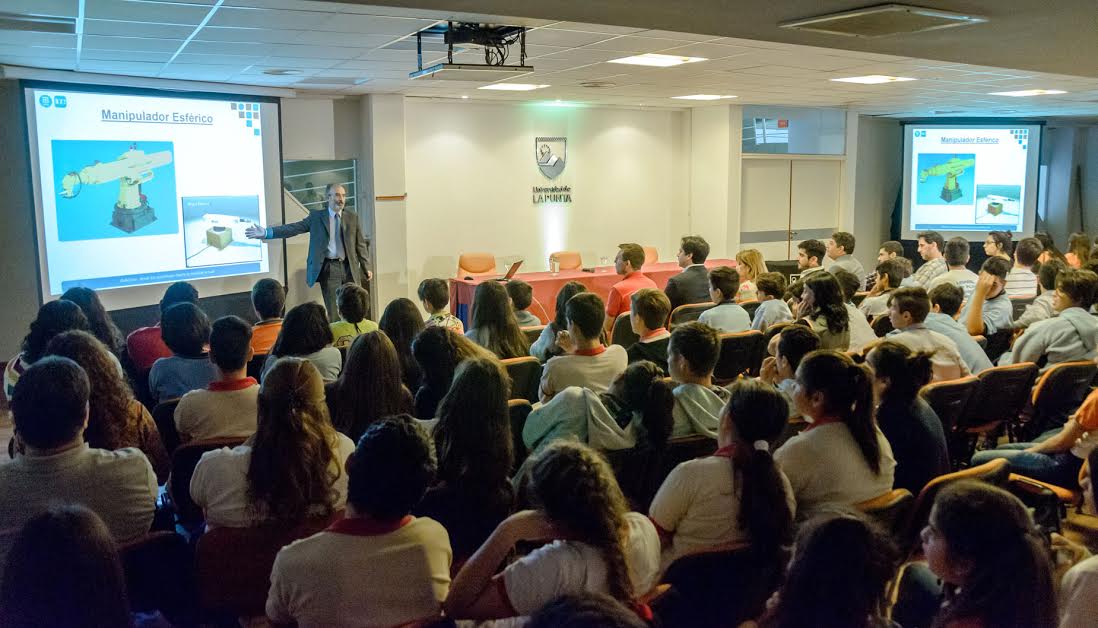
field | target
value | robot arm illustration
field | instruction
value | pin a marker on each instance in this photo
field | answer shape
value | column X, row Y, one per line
column 951, row 169
column 131, row 169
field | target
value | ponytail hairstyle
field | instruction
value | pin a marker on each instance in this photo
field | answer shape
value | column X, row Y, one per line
column 848, row 394
column 758, row 412
column 645, row 390
column 575, row 488
column 907, row 371
column 827, row 301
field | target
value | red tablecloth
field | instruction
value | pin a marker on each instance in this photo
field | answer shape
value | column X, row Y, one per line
column 546, row 285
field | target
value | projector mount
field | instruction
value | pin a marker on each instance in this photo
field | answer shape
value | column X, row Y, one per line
column 496, row 41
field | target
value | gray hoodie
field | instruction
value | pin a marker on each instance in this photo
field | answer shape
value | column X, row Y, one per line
column 1072, row 335
column 698, row 409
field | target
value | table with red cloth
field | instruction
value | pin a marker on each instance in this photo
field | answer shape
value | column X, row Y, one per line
column 547, row 284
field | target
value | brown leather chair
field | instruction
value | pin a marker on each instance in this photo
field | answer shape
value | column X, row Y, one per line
column 688, row 313
column 567, row 260
column 949, row 400
column 622, row 333
column 1001, row 396
column 525, row 375
column 476, row 265
column 891, row 510
column 1059, row 391
column 741, row 352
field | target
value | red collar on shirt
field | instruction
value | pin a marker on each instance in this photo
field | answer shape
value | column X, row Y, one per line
column 360, row 526
column 590, row 352
column 655, row 332
column 236, row 384
column 724, row 452
column 819, row 422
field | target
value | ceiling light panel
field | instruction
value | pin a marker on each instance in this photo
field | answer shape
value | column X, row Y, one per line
column 513, row 87
column 1029, row 92
column 657, row 60
column 873, row 79
column 702, row 97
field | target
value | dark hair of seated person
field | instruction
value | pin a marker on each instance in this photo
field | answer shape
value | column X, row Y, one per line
column 390, row 470
column 402, row 322
column 99, row 321
column 230, row 340
column 434, row 292
column 352, row 301
column 185, row 329
column 698, row 344
column 585, row 610
column 178, row 292
column 369, row 386
column 642, row 388
column 948, row 297
column 63, row 569
column 438, row 352
column 50, row 403
column 53, row 318
column 305, row 330
column 268, row 299
column 495, row 323
column 569, row 290
column 586, row 314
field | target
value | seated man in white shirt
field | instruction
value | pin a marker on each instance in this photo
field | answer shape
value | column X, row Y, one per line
column 587, row 362
column 908, row 309
column 861, row 333
column 888, row 277
column 956, row 257
column 727, row 316
column 691, row 357
column 1021, row 280
column 990, row 310
column 227, row 407
column 398, row 565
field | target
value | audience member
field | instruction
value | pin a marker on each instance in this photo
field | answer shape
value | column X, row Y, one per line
column 861, row 333
column 585, row 610
column 290, row 470
column 648, row 318
column 692, row 284
column 404, row 560
column 594, row 544
column 1072, row 334
column 887, row 278
column 823, row 310
column 889, row 250
column 1049, row 252
column 840, row 250
column 434, row 296
column 586, row 362
column 836, row 397
column 738, row 495
column 401, row 322
column 545, row 346
column 912, row 428
column 691, row 357
column 810, row 254
column 53, row 318
column 726, row 316
column 522, row 296
column 908, row 309
column 989, row 310
column 186, row 331
column 945, row 304
column 750, row 265
column 115, row 419
column 368, row 388
column 1079, row 588
column 439, row 350
column 473, row 442
column 1078, row 250
column 353, row 302
column 494, row 326
column 54, row 464
column 628, row 264
column 269, row 303
column 100, row 323
column 144, row 346
column 999, row 244
column 956, row 257
column 306, row 334
column 790, row 345
column 772, row 308
column 931, row 246
column 1021, row 281
column 981, row 541
column 227, row 407
column 1042, row 307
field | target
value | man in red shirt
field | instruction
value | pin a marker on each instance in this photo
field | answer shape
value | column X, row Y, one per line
column 627, row 264
column 144, row 346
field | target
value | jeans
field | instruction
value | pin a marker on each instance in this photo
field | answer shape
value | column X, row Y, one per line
column 332, row 276
column 1061, row 469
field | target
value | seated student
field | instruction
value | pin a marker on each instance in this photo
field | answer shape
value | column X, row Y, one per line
column 402, row 322
column 750, row 266
column 494, row 326
column 981, row 541
column 835, row 395
column 1078, row 250
column 144, row 346
column 438, row 351
column 822, row 307
column 306, row 334
column 1042, row 307
column 290, row 469
column 736, row 496
column 772, row 308
column 545, row 346
column 727, row 316
column 1071, row 335
column 999, row 244
column 861, row 333
column 634, row 412
column 836, row 556
column 115, row 419
column 586, row 362
column 691, row 357
column 956, row 258
column 648, row 317
column 100, row 323
column 888, row 277
column 931, row 248
column 990, row 309
column 586, row 610
column 692, row 284
column 945, row 307
column 890, row 250
column 269, row 303
column 522, row 296
column 472, row 493
column 353, row 302
column 908, row 309
column 227, row 407
column 1021, row 280
column 53, row 463
column 628, row 264
column 368, row 388
column 810, row 255
column 840, row 250
column 399, row 565
column 909, row 423
column 54, row 317
column 434, row 296
column 593, row 543
column 1079, row 587
column 186, row 331
column 788, row 349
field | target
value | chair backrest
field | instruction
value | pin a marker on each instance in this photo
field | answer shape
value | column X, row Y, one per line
column 950, row 398
column 750, row 306
column 476, row 265
column 525, row 375
column 163, row 415
column 634, row 469
column 567, row 260
column 996, row 472
column 519, row 410
column 723, row 588
column 623, row 333
column 233, row 565
column 184, row 460
column 255, row 365
column 741, row 352
column 775, row 329
column 651, row 255
column 1000, row 397
column 159, row 575
column 858, row 298
column 998, row 343
column 1019, row 304
column 891, row 510
column 881, row 325
column 1058, row 393
column 688, row 313
column 533, row 333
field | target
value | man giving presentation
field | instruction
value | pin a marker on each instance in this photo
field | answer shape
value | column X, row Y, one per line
column 334, row 261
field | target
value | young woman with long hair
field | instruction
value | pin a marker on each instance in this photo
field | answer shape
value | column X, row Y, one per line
column 115, row 418
column 822, row 309
column 99, row 321
column 1050, row 251
column 999, row 244
column 909, row 423
column 474, row 447
column 494, row 325
column 750, row 264
column 981, row 541
column 290, row 470
column 1078, row 250
column 835, row 395
column 402, row 322
column 53, row 318
column 306, row 334
column 545, row 346
column 439, row 350
column 596, row 544
column 369, row 386
column 701, row 506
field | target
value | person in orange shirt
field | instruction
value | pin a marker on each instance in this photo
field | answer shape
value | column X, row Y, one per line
column 627, row 264
column 269, row 303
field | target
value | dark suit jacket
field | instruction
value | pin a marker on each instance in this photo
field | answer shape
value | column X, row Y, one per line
column 355, row 246
column 689, row 286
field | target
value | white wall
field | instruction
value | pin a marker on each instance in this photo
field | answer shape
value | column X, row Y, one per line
column 877, row 172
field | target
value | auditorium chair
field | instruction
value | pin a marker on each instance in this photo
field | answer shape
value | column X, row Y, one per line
column 623, row 333
column 1019, row 304
column 741, row 352
column 255, row 365
column 184, row 460
column 533, row 333
column 519, row 410
column 1001, row 396
column 1059, row 392
column 750, row 306
column 998, row 344
column 890, row 510
column 476, row 265
column 719, row 588
column 163, row 415
column 858, row 298
column 651, row 255
column 687, row 313
column 159, row 573
column 949, row 400
column 566, row 260
column 881, row 325
column 525, row 375
column 996, row 472
column 1068, row 495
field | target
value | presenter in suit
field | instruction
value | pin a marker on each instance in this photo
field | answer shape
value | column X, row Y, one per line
column 692, row 284
column 332, row 261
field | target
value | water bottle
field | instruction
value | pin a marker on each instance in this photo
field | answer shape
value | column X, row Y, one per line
column 554, row 265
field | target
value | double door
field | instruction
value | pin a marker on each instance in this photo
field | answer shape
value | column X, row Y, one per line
column 787, row 200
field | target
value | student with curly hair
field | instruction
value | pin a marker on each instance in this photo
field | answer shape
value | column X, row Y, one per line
column 53, row 318
column 100, row 323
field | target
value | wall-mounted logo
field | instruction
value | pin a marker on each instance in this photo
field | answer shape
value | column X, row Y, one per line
column 550, row 153
column 45, row 100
